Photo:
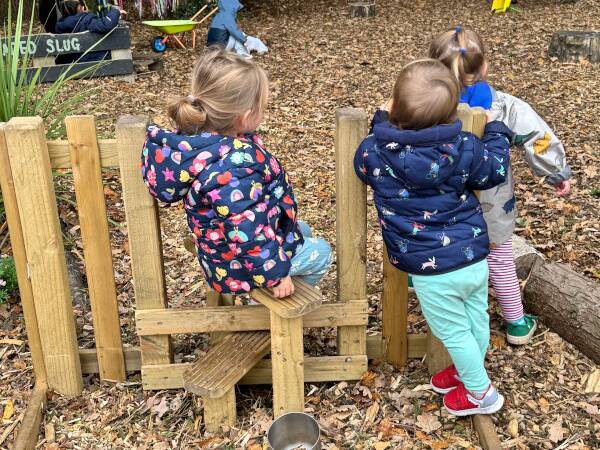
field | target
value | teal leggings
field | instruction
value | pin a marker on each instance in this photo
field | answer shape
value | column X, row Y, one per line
column 455, row 307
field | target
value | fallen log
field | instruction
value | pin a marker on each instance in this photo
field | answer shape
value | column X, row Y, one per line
column 575, row 45
column 564, row 300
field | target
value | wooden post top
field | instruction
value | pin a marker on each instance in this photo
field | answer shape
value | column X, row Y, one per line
column 304, row 300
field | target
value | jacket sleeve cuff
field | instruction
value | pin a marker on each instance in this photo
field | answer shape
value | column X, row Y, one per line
column 498, row 127
column 559, row 177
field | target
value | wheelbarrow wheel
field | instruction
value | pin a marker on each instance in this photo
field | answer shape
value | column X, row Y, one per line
column 158, row 45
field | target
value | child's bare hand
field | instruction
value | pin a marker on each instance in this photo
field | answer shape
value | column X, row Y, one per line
column 563, row 188
column 285, row 288
column 489, row 116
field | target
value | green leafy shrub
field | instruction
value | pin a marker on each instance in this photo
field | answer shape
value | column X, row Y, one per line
column 8, row 278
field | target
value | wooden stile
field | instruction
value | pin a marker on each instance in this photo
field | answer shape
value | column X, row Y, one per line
column 18, row 247
column 91, row 207
column 144, row 234
column 36, row 200
column 395, row 311
column 351, row 225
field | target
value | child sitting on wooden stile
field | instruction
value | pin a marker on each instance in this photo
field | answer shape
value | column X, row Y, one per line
column 423, row 170
column 462, row 50
column 238, row 199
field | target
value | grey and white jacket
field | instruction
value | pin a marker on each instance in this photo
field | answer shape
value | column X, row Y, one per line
column 544, row 154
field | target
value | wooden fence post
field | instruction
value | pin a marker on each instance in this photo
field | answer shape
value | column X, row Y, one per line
column 145, row 244
column 395, row 311
column 20, row 257
column 351, row 225
column 91, row 207
column 32, row 176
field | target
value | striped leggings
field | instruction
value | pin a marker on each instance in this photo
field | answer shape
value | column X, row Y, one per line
column 503, row 275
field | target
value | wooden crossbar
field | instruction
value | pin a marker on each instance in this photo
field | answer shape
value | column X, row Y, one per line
column 215, row 373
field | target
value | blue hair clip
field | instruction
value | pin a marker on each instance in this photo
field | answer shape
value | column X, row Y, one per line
column 458, row 29
column 462, row 51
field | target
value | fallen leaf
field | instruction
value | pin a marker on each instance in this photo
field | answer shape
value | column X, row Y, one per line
column 513, row 428
column 381, row 445
column 371, row 414
column 428, row 423
column 544, row 404
column 441, row 444
column 556, row 431
column 368, row 379
column 497, row 341
column 9, row 410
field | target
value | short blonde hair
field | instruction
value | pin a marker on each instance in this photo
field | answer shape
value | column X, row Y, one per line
column 462, row 51
column 425, row 94
column 224, row 87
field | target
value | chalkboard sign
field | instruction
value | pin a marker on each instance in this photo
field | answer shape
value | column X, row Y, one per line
column 44, row 47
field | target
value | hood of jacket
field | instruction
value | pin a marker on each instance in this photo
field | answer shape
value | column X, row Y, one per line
column 419, row 158
column 229, row 6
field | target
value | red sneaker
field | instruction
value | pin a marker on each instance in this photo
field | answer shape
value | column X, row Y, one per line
column 461, row 402
column 445, row 380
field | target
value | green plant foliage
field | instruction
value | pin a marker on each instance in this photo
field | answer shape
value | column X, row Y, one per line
column 20, row 97
column 8, row 278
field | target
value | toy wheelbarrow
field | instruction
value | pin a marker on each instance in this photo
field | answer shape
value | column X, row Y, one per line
column 171, row 28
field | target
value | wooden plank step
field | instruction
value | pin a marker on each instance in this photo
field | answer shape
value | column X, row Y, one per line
column 304, row 300
column 214, row 374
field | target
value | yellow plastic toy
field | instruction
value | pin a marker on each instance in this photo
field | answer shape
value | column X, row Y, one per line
column 500, row 6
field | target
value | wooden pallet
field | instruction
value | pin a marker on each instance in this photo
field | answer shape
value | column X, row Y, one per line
column 215, row 375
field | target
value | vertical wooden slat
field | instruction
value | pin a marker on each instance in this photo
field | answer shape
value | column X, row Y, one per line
column 144, row 235
column 36, row 200
column 91, row 207
column 395, row 311
column 465, row 116
column 219, row 412
column 351, row 224
column 29, row 431
column 287, row 357
column 18, row 247
column 479, row 121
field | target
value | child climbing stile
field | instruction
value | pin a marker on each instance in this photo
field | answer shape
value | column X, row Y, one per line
column 238, row 199
column 462, row 51
column 423, row 170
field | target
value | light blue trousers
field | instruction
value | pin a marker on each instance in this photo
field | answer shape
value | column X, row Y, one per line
column 312, row 259
column 455, row 305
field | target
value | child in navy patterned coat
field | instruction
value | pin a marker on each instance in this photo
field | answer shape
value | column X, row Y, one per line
column 423, row 170
column 238, row 198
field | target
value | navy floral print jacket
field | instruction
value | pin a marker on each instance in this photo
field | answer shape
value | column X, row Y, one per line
column 239, row 203
column 423, row 183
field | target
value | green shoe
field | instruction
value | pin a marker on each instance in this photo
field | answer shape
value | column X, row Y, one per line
column 521, row 334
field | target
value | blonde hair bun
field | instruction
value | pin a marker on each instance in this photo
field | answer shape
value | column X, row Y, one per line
column 224, row 87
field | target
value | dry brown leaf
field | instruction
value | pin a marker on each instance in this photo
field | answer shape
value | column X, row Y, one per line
column 439, row 445
column 380, row 445
column 556, row 431
column 371, row 414
column 513, row 428
column 544, row 404
column 9, row 410
column 428, row 423
column 498, row 341
column 368, row 379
